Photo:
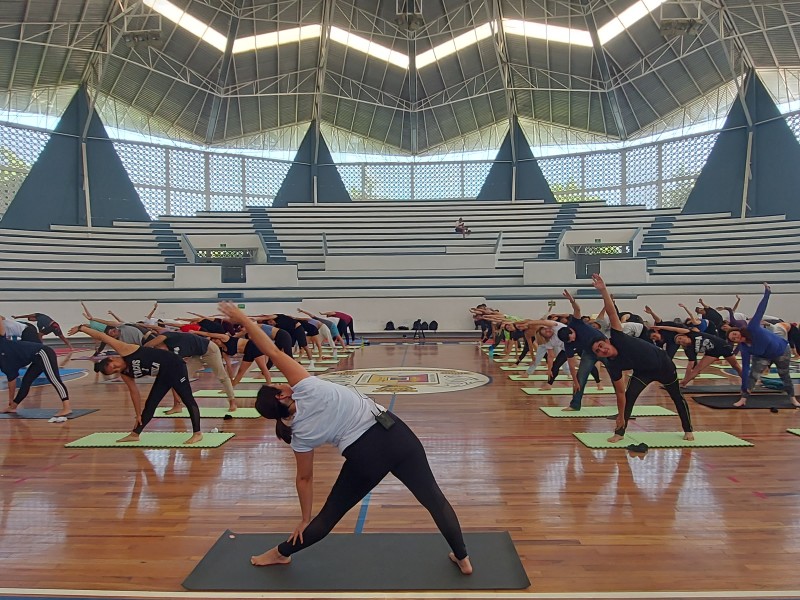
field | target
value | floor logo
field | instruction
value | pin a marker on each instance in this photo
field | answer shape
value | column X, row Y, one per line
column 408, row 380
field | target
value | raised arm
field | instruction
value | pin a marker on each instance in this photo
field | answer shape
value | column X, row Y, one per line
column 121, row 348
column 762, row 306
column 116, row 317
column 703, row 304
column 692, row 318
column 293, row 371
column 683, row 330
column 651, row 312
column 153, row 310
column 2, row 326
column 608, row 303
column 735, row 306
column 576, row 310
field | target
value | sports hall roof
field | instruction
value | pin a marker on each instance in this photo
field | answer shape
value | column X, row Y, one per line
column 217, row 71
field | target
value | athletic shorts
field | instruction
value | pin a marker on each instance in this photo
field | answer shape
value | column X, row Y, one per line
column 311, row 330
column 53, row 327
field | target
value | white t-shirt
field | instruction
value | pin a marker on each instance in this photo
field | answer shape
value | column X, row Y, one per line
column 329, row 413
column 555, row 344
column 13, row 328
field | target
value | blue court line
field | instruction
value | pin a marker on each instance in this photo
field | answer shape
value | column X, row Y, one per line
column 362, row 513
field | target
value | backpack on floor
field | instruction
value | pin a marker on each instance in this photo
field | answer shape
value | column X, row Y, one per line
column 423, row 325
column 416, row 325
column 389, row 326
column 433, row 326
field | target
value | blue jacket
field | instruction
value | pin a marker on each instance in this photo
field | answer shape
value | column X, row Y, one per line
column 764, row 344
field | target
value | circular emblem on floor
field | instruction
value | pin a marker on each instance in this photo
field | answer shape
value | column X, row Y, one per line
column 408, row 380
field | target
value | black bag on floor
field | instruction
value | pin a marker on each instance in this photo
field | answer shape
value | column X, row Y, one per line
column 389, row 326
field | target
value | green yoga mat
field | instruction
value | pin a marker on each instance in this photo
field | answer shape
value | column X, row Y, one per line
column 663, row 439
column 567, row 391
column 774, row 377
column 275, row 379
column 324, row 361
column 794, row 431
column 309, row 369
column 520, row 368
column 605, row 411
column 150, row 440
column 238, row 393
column 212, row 412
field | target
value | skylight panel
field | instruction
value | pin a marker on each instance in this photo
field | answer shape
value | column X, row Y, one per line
column 626, row 18
column 551, row 33
column 368, row 47
column 186, row 21
column 452, row 46
column 275, row 38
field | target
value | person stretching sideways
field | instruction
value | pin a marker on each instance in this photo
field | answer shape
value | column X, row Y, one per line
column 311, row 412
column 694, row 343
column 765, row 348
column 38, row 359
column 649, row 363
column 136, row 361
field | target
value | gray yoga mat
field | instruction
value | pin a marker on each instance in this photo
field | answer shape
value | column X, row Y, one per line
column 45, row 413
column 370, row 561
column 761, row 401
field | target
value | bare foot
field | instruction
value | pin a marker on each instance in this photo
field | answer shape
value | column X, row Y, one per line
column 11, row 408
column 131, row 437
column 599, row 385
column 688, row 436
column 740, row 403
column 196, row 437
column 270, row 557
column 231, row 405
column 570, row 409
column 615, row 438
column 463, row 564
column 795, row 402
column 174, row 410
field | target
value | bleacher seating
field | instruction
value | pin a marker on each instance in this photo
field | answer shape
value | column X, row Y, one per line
column 136, row 261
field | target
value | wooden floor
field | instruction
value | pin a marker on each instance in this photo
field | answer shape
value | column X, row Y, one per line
column 584, row 521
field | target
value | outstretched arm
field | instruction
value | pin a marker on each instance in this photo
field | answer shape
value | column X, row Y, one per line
column 608, row 303
column 670, row 328
column 762, row 306
column 692, row 318
column 122, row 348
column 156, row 341
column 703, row 304
column 576, row 310
column 293, row 371
column 153, row 311
column 735, row 306
column 649, row 311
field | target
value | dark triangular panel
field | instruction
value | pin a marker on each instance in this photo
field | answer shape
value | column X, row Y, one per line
column 52, row 193
column 774, row 156
column 775, row 165
column 530, row 183
column 298, row 185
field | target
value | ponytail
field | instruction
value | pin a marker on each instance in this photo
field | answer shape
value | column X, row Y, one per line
column 268, row 406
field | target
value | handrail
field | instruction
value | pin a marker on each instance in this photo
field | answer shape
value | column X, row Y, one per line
column 188, row 248
column 324, row 244
column 499, row 243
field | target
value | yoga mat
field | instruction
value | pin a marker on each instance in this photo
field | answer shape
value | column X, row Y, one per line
column 794, row 431
column 760, row 401
column 142, row 380
column 66, row 375
column 237, row 393
column 275, row 379
column 663, row 439
column 324, row 361
column 719, row 389
column 567, row 391
column 606, row 411
column 368, row 561
column 209, row 412
column 773, row 375
column 309, row 369
column 518, row 368
column 682, row 374
column 45, row 413
column 150, row 440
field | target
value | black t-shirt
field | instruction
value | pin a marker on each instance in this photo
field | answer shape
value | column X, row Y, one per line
column 585, row 336
column 210, row 326
column 704, row 343
column 185, row 344
column 153, row 361
column 714, row 318
column 232, row 346
column 43, row 321
column 15, row 354
column 635, row 354
column 285, row 322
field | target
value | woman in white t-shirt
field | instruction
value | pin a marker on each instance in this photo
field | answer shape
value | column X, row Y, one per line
column 311, row 412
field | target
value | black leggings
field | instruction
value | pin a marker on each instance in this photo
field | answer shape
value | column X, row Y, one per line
column 44, row 362
column 525, row 349
column 344, row 327
column 29, row 334
column 669, row 379
column 369, row 459
column 284, row 343
column 559, row 362
column 178, row 381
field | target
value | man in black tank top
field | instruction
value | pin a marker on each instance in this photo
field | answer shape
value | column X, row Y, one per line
column 134, row 362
